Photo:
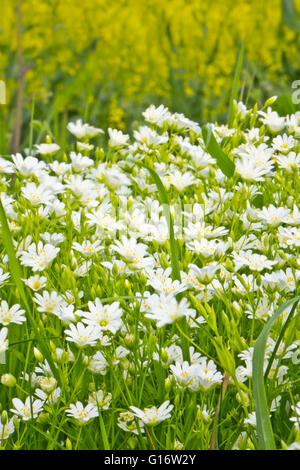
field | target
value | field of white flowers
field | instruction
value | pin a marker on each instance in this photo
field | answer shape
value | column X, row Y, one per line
column 149, row 285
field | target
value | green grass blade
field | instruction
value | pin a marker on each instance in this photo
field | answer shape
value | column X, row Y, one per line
column 16, row 274
column 167, row 213
column 264, row 428
column 290, row 16
column 213, row 148
column 235, row 84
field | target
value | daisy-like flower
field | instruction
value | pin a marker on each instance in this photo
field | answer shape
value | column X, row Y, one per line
column 224, row 131
column 11, row 314
column 168, row 355
column 156, row 115
column 29, row 409
column 6, row 429
column 47, row 149
column 127, row 422
column 105, row 317
column 165, row 309
column 206, row 375
column 289, row 162
column 39, row 256
column 88, row 248
column 51, row 397
column 272, row 215
column 183, row 373
column 179, row 180
column 100, row 399
column 97, row 364
column 153, row 415
column 254, row 261
column 80, row 162
column 60, row 168
column 133, row 252
column 206, row 273
column 81, row 130
column 28, row 165
column 36, row 194
column 36, row 282
column 148, row 137
column 48, row 302
column 6, row 166
column 117, row 138
column 81, row 413
column 289, row 236
column 82, row 335
column 272, row 120
column 161, row 281
column 283, row 143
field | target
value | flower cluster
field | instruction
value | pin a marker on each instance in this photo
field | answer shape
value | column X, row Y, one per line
column 137, row 328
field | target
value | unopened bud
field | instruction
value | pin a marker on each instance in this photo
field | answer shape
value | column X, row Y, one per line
column 38, row 355
column 8, row 380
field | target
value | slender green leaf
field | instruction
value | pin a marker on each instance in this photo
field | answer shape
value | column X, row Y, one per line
column 290, row 16
column 167, row 213
column 235, row 84
column 225, row 164
column 264, row 428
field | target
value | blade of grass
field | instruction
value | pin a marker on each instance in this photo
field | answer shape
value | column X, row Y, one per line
column 290, row 16
column 264, row 428
column 174, row 255
column 16, row 274
column 213, row 148
column 235, row 83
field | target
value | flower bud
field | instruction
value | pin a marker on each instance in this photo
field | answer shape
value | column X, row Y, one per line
column 38, row 355
column 8, row 380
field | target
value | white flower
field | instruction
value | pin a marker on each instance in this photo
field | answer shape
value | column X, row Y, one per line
column 205, row 274
column 28, row 165
column 254, row 261
column 117, row 138
column 105, row 317
column 27, row 410
column 283, row 143
column 82, row 335
column 3, row 340
column 161, row 281
column 148, row 137
column 47, row 149
column 38, row 257
column 11, row 314
column 100, row 399
column 6, row 429
column 156, row 115
column 80, row 162
column 206, row 375
column 81, row 130
column 183, row 373
column 165, row 309
column 153, row 415
column 6, row 166
column 87, row 248
column 36, row 194
column 82, row 414
column 289, row 236
column 272, row 120
column 272, row 215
